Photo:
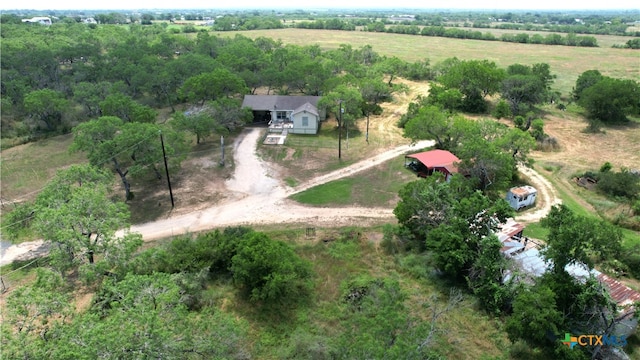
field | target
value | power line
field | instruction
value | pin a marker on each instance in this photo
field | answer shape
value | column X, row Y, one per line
column 98, row 163
column 16, row 222
column 103, row 162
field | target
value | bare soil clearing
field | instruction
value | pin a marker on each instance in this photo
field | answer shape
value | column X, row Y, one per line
column 620, row 145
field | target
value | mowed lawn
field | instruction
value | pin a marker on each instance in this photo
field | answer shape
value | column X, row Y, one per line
column 566, row 62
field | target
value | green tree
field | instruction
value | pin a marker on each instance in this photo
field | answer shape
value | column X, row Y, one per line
column 424, row 205
column 346, row 103
column 127, row 109
column 132, row 148
column 373, row 92
column 377, row 322
column 475, row 79
column 486, row 163
column 537, row 129
column 623, row 184
column 456, row 242
column 90, row 95
column 145, row 316
column 486, row 278
column 516, row 142
column 527, row 85
column 574, row 239
column 46, row 105
column 74, row 212
column 200, row 124
column 270, row 271
column 431, row 122
column 502, row 110
column 449, row 99
column 535, row 317
column 228, row 115
column 220, row 82
column 521, row 90
column 611, row 100
column 31, row 312
column 391, row 67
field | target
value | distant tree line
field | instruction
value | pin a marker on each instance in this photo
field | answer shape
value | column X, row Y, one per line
column 56, row 77
column 453, row 32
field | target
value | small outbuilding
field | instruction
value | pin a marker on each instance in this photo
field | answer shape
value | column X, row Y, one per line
column 521, row 196
column 425, row 163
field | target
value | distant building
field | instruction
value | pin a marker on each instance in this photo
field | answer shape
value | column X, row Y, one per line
column 42, row 20
column 400, row 18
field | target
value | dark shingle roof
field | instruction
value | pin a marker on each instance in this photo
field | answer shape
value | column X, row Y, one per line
column 278, row 102
column 306, row 107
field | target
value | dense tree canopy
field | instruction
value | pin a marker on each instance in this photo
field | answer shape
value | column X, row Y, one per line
column 526, row 86
column 574, row 239
column 47, row 106
column 270, row 271
column 457, row 225
column 611, row 100
column 475, row 79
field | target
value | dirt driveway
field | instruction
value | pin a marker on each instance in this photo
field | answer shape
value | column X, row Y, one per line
column 256, row 194
column 261, row 197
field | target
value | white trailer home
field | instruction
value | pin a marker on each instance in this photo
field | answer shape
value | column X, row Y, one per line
column 521, row 196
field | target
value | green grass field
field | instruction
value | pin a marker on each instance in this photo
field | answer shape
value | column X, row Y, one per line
column 377, row 187
column 25, row 169
column 566, row 62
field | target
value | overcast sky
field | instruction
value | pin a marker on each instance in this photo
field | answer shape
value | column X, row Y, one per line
column 320, row 4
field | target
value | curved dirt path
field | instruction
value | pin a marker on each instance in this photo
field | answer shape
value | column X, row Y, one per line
column 263, row 197
column 547, row 195
column 260, row 198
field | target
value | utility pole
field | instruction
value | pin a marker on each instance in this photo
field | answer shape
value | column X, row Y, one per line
column 340, row 133
column 222, row 149
column 166, row 169
column 366, row 137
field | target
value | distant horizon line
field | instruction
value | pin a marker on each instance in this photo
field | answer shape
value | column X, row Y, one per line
column 331, row 8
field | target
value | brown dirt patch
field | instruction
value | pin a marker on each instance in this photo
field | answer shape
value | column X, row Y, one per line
column 196, row 185
column 582, row 151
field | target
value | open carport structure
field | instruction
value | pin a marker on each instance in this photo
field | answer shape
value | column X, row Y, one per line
column 425, row 163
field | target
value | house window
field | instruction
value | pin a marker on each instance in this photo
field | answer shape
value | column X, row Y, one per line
column 305, row 121
column 281, row 115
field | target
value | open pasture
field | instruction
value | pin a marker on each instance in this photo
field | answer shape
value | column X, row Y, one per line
column 566, row 62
